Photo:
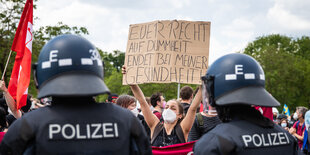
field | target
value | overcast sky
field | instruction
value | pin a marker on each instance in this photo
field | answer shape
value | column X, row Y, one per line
column 234, row 23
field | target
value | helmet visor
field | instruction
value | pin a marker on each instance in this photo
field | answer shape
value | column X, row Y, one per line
column 248, row 96
column 205, row 97
column 73, row 84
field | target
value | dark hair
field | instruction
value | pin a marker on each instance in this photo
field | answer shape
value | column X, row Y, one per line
column 125, row 100
column 283, row 119
column 154, row 98
column 181, row 110
column 3, row 124
column 4, row 105
column 186, row 92
column 302, row 110
column 26, row 108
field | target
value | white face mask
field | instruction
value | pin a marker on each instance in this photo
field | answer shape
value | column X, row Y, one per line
column 283, row 125
column 169, row 116
column 295, row 116
column 135, row 112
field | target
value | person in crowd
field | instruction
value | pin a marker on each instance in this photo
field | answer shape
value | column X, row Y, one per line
column 299, row 127
column 129, row 102
column 3, row 103
column 204, row 122
column 294, row 118
column 306, row 142
column 10, row 100
column 275, row 112
column 289, row 119
column 35, row 103
column 186, row 94
column 70, row 71
column 284, row 124
column 175, row 128
column 280, row 117
column 233, row 84
column 11, row 103
column 112, row 98
column 157, row 101
column 3, row 123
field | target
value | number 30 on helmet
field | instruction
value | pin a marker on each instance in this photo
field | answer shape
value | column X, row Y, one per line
column 69, row 65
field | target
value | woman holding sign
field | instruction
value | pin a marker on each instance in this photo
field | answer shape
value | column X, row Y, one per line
column 175, row 128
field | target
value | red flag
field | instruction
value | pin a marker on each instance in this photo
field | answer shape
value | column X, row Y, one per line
column 22, row 45
column 266, row 111
column 177, row 149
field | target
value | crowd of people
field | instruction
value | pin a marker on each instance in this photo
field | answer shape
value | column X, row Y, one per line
column 223, row 115
column 296, row 125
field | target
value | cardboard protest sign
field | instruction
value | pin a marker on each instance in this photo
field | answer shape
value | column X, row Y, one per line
column 167, row 51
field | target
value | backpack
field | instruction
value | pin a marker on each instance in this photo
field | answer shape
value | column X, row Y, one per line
column 159, row 127
column 302, row 128
column 200, row 123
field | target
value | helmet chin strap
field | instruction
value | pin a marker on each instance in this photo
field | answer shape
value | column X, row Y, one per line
column 210, row 89
column 34, row 68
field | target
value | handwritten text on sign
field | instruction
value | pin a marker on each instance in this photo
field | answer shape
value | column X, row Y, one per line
column 167, row 51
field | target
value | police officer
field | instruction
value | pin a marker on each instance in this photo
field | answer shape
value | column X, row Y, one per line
column 233, row 84
column 70, row 70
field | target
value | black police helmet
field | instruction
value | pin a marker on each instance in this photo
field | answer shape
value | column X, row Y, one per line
column 69, row 65
column 236, row 79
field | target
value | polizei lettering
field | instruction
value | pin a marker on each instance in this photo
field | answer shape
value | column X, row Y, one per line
column 82, row 131
column 265, row 140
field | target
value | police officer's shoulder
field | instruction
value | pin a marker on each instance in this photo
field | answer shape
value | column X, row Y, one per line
column 36, row 115
column 37, row 112
column 214, row 143
column 223, row 128
column 221, row 131
column 115, row 108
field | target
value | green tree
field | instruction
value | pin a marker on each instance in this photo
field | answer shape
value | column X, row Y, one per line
column 10, row 13
column 116, row 59
column 286, row 64
column 112, row 61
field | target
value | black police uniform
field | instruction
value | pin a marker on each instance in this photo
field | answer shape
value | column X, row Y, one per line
column 241, row 136
column 77, row 128
column 70, row 70
column 233, row 84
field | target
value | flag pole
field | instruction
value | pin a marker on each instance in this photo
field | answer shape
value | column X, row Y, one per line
column 6, row 65
column 178, row 91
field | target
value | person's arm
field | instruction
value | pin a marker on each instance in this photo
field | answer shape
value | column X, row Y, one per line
column 293, row 129
column 189, row 118
column 301, row 138
column 149, row 117
column 10, row 101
